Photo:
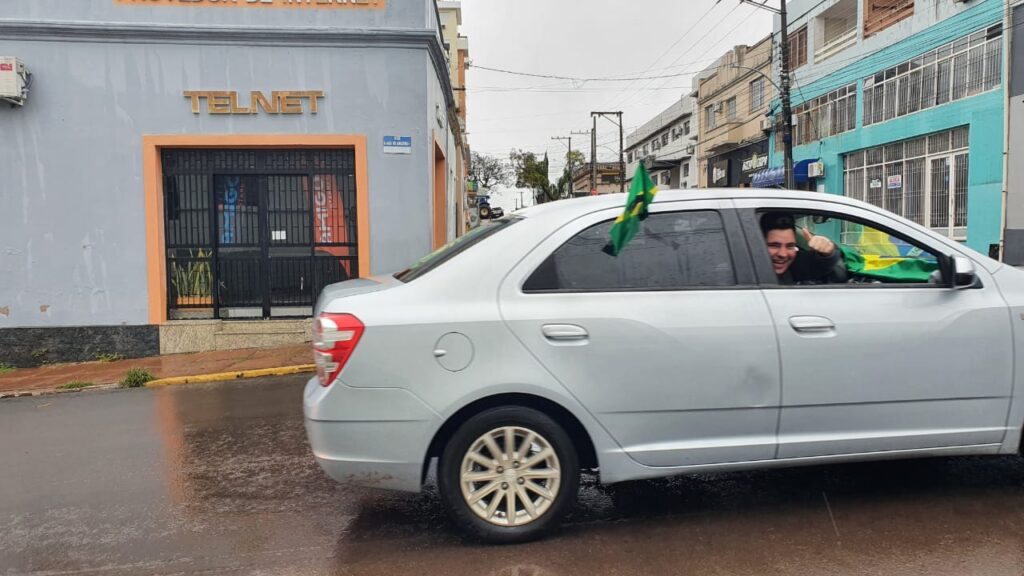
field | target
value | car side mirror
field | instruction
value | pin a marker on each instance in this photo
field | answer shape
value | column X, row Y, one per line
column 964, row 275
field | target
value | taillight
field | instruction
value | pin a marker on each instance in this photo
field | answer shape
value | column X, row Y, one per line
column 334, row 338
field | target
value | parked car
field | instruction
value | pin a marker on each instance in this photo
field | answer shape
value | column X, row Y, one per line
column 523, row 353
column 497, row 212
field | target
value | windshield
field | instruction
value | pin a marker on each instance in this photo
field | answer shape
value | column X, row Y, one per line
column 453, row 248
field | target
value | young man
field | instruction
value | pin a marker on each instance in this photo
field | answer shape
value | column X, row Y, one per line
column 820, row 264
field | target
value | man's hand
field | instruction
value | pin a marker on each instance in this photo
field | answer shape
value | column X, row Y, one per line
column 819, row 244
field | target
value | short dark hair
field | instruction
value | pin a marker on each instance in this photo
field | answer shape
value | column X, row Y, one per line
column 777, row 221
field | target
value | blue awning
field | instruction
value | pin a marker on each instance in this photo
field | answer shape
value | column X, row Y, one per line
column 771, row 177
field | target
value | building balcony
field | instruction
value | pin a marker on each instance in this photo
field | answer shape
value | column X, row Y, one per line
column 836, row 45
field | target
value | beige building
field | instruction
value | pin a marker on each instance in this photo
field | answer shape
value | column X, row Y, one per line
column 457, row 48
column 732, row 104
column 608, row 179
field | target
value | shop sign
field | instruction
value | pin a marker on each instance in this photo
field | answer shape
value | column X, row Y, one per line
column 398, row 144
column 894, row 182
column 336, row 4
column 875, row 183
column 755, row 162
column 279, row 102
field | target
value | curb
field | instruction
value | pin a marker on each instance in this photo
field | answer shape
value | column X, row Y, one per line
column 221, row 376
column 175, row 381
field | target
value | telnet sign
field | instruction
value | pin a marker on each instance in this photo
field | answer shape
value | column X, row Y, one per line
column 261, row 3
column 280, row 102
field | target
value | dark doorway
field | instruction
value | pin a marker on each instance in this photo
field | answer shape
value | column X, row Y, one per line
column 257, row 233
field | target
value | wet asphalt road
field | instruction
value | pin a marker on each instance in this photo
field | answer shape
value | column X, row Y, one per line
column 218, row 479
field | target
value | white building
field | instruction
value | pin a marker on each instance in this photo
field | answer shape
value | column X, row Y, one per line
column 667, row 142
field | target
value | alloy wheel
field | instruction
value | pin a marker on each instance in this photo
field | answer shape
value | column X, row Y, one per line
column 510, row 476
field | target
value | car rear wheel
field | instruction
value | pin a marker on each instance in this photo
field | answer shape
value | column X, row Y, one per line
column 485, row 212
column 508, row 475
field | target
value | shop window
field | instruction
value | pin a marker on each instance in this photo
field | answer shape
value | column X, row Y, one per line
column 924, row 179
column 880, row 14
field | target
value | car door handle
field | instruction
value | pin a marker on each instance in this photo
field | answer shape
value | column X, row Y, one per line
column 812, row 324
column 564, row 332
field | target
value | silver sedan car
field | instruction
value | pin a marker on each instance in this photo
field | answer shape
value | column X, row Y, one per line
column 736, row 330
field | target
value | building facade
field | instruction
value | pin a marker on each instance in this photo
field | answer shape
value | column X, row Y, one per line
column 457, row 49
column 214, row 160
column 608, row 176
column 901, row 104
column 667, row 143
column 1013, row 235
column 732, row 105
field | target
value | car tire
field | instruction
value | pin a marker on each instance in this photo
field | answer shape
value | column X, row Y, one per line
column 541, row 483
column 485, row 212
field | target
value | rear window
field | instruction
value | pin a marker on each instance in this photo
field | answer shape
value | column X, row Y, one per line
column 453, row 248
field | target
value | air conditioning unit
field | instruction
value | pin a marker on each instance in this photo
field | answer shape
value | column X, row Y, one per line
column 691, row 149
column 816, row 170
column 716, row 108
column 766, row 124
column 14, row 80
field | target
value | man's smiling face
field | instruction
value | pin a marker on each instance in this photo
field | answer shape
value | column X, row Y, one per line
column 781, row 248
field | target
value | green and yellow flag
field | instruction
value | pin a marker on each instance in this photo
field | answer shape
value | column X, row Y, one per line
column 641, row 193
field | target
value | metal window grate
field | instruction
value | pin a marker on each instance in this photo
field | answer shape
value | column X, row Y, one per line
column 257, row 233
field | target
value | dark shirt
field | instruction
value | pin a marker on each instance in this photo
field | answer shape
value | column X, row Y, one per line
column 810, row 267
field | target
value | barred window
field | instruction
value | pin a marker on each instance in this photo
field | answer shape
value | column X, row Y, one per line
column 826, row 115
column 965, row 67
column 756, row 94
column 923, row 179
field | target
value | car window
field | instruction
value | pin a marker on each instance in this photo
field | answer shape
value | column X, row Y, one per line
column 673, row 250
column 860, row 253
column 453, row 248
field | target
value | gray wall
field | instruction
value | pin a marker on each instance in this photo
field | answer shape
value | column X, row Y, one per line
column 1013, row 239
column 72, row 229
column 416, row 14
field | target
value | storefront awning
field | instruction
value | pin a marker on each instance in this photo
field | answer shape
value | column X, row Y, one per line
column 771, row 177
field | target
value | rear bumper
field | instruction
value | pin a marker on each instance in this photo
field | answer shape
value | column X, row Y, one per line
column 369, row 436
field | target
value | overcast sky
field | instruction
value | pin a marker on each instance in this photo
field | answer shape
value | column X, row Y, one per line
column 587, row 39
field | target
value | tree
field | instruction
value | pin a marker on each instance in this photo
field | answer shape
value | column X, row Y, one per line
column 532, row 173
column 488, row 170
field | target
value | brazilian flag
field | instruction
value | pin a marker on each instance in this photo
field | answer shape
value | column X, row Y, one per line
column 873, row 254
column 641, row 193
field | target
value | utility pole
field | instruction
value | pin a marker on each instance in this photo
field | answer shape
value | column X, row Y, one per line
column 568, row 160
column 593, row 155
column 622, row 163
column 572, row 177
column 787, row 110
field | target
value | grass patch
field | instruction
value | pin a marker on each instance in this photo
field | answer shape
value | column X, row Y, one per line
column 5, row 368
column 136, row 378
column 75, row 385
column 109, row 357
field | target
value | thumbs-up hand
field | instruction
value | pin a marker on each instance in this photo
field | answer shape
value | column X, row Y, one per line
column 819, row 244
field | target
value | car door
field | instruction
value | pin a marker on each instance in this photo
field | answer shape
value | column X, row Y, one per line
column 885, row 367
column 668, row 345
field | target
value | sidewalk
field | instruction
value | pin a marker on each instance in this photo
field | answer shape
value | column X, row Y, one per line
column 297, row 358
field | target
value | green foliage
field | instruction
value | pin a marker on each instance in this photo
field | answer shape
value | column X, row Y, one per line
column 193, row 278
column 75, row 385
column 531, row 172
column 37, row 354
column 136, row 378
column 112, row 357
column 4, row 368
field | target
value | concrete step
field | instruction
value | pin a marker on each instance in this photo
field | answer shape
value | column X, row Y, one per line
column 242, row 327
column 236, row 341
